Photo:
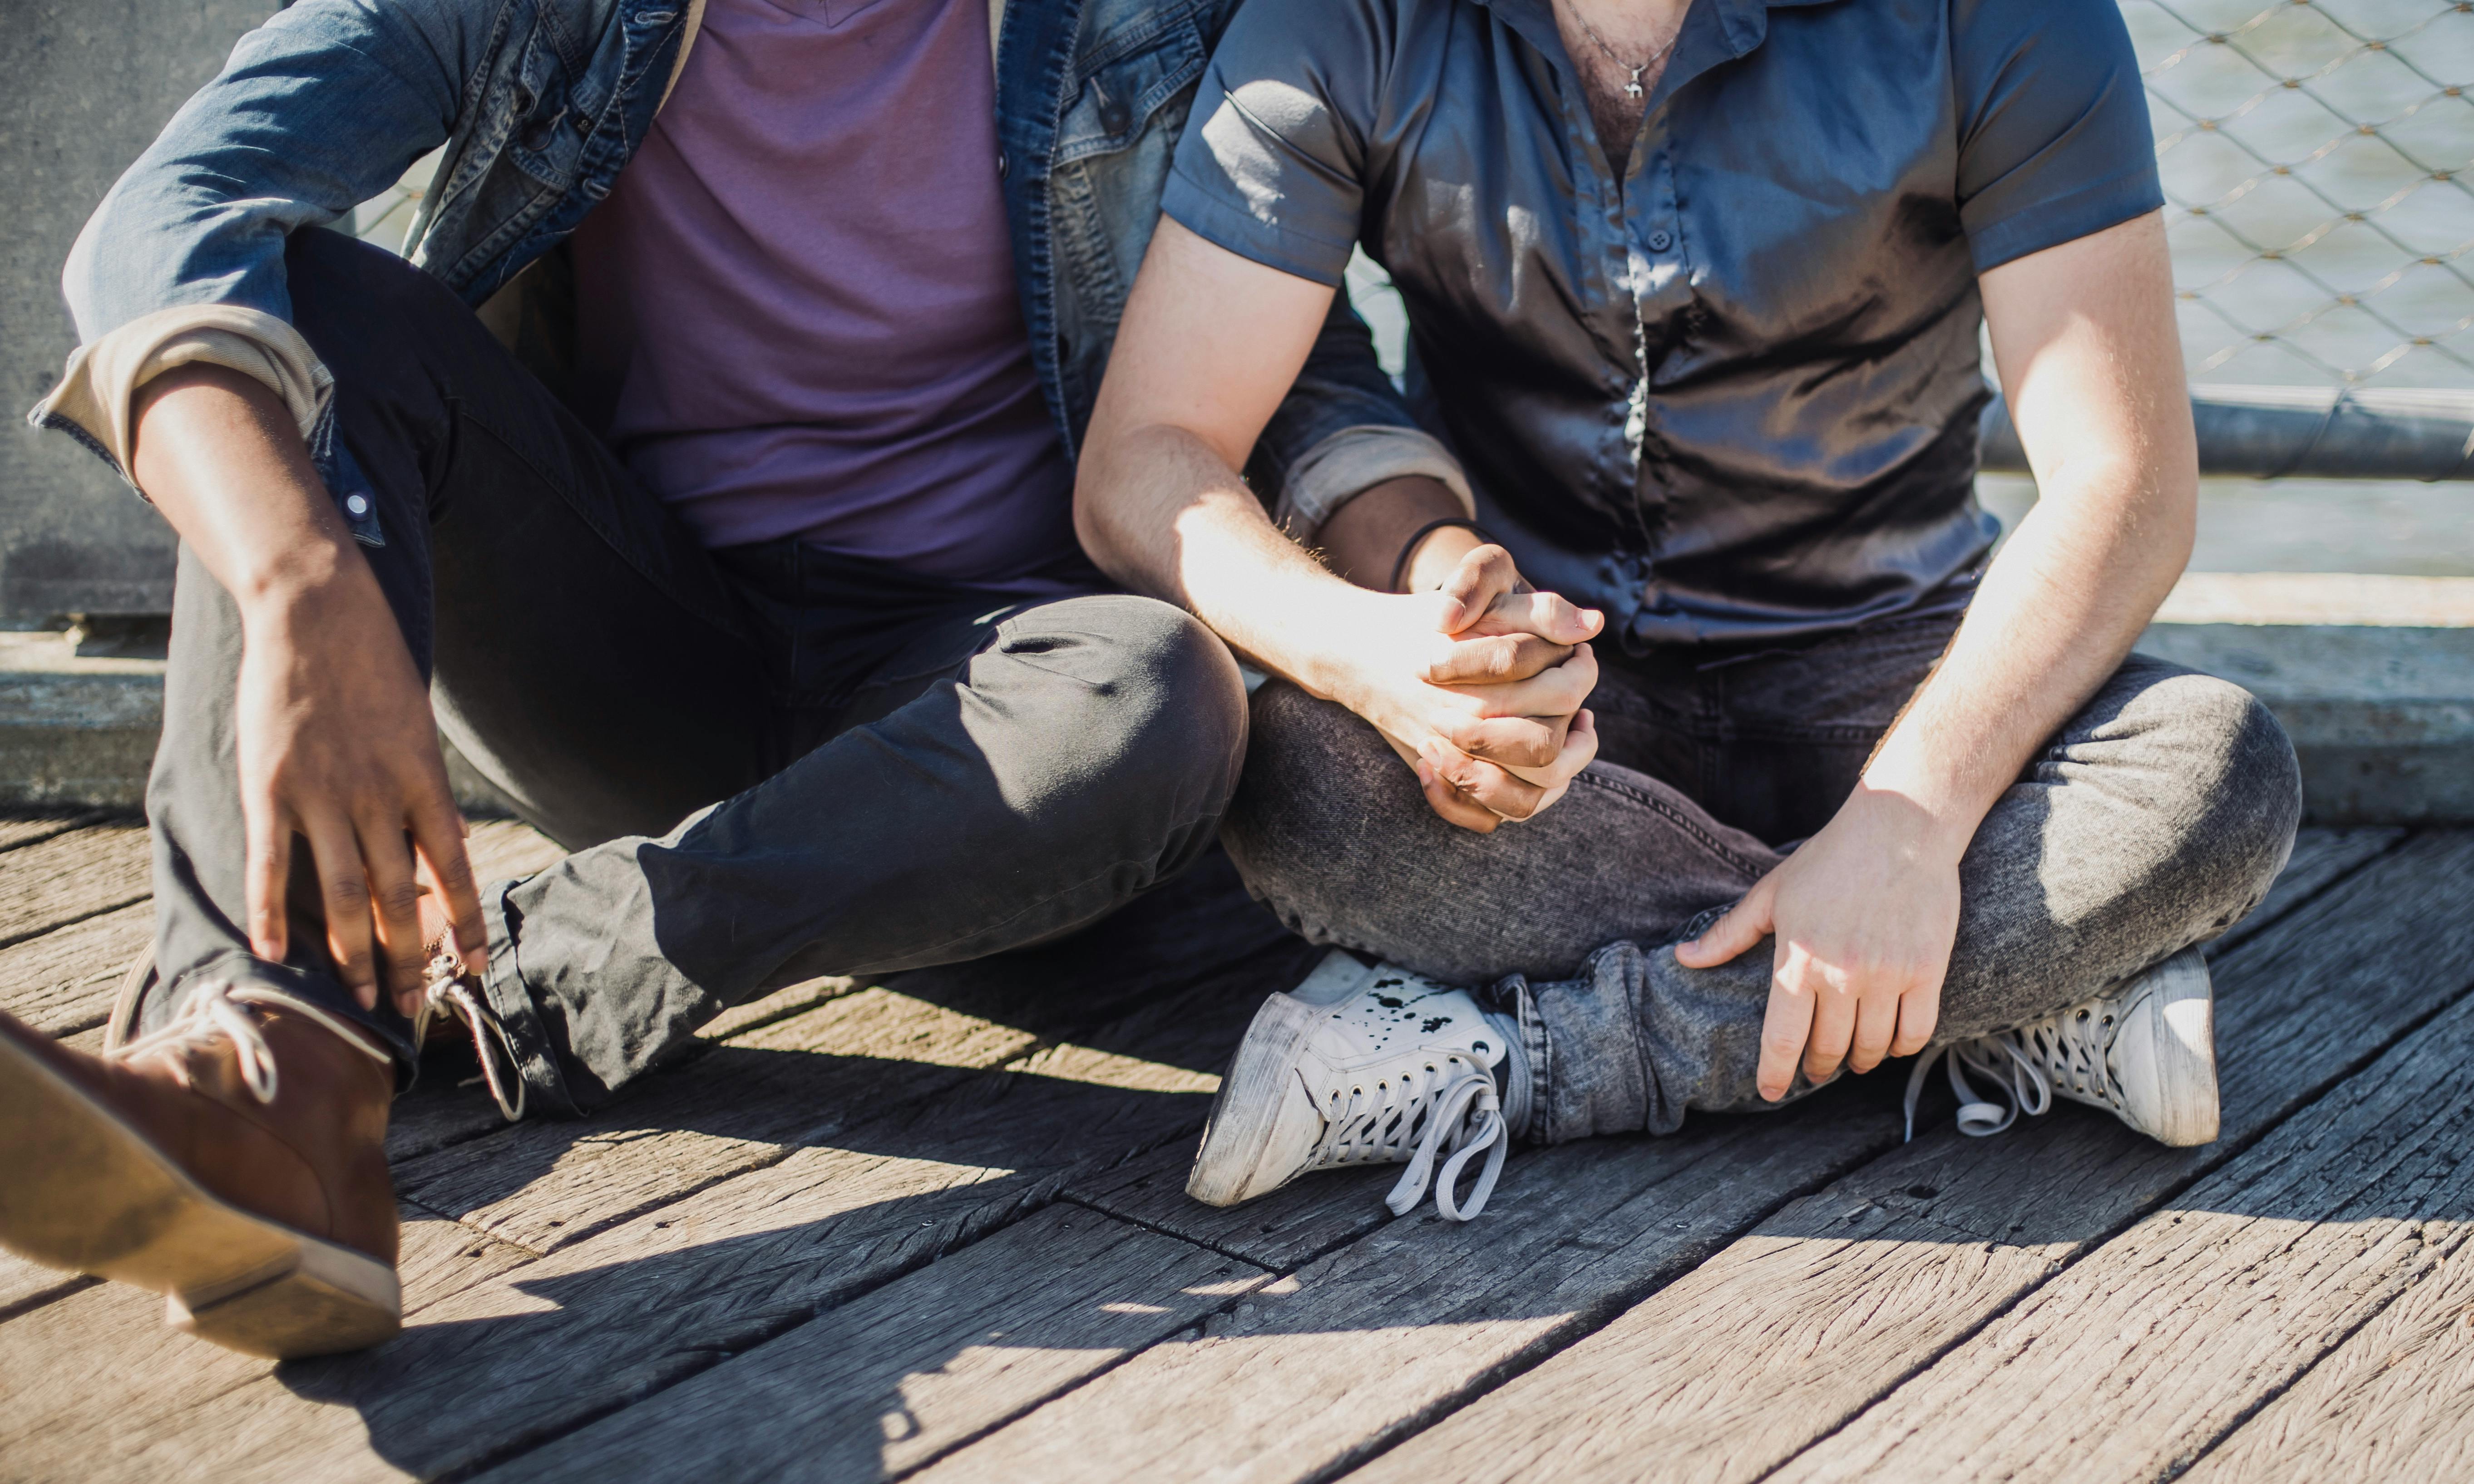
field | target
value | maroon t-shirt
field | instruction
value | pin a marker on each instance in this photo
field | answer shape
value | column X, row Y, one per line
column 797, row 313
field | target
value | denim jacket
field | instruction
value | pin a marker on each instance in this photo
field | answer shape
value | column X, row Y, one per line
column 539, row 105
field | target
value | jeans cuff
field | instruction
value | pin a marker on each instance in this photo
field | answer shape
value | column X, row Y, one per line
column 502, row 984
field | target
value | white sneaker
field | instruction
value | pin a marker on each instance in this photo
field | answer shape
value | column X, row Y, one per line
column 2147, row 1051
column 1359, row 1065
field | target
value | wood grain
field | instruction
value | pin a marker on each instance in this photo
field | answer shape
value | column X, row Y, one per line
column 69, row 878
column 602, row 1323
column 547, row 1183
column 25, row 827
column 1776, row 1341
column 61, row 981
column 2176, row 1331
column 2394, row 1401
column 893, row 1380
column 1392, row 1329
column 76, row 1372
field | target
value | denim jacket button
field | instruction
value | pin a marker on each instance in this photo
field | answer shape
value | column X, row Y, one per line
column 359, row 505
column 1004, row 165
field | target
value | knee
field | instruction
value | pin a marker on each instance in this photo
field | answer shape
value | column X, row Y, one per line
column 1162, row 711
column 1315, row 781
column 2241, row 788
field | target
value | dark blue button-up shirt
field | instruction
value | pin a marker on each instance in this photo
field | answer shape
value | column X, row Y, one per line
column 1732, row 395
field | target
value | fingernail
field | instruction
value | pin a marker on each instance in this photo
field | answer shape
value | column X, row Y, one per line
column 1426, row 775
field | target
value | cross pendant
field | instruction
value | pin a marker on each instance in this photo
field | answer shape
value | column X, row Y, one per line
column 1633, row 87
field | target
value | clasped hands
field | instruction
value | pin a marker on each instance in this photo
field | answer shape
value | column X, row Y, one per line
column 1478, row 686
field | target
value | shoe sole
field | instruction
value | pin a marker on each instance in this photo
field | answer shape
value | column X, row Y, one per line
column 103, row 1199
column 1238, row 1135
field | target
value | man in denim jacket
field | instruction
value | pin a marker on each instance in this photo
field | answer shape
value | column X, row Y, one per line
column 714, row 444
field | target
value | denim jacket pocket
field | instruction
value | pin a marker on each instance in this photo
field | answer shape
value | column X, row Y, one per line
column 1129, row 78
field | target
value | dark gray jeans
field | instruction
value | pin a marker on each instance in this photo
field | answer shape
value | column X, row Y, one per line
column 2153, row 820
column 910, row 774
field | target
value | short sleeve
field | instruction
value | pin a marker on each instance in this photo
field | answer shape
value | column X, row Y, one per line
column 2055, row 141
column 1273, row 162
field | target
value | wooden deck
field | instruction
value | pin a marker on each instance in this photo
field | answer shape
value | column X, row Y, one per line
column 936, row 1228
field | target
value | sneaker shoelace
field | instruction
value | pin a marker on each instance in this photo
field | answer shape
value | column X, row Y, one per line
column 2023, row 1066
column 220, row 1010
column 446, row 990
column 1418, row 1115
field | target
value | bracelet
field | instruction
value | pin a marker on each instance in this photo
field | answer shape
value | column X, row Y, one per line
column 1409, row 547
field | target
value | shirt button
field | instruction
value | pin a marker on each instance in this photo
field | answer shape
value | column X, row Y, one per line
column 357, row 504
column 1660, row 241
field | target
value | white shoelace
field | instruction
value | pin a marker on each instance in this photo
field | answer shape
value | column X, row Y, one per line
column 217, row 1009
column 1456, row 1113
column 444, row 993
column 2023, row 1066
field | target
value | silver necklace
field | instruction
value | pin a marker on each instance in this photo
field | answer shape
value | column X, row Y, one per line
column 1632, row 89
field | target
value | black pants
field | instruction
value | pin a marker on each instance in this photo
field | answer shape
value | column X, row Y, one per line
column 910, row 774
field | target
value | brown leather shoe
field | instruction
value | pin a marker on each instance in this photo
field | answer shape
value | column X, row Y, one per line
column 234, row 1161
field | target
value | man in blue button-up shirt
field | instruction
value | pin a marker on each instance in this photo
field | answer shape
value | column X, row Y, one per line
column 1694, row 291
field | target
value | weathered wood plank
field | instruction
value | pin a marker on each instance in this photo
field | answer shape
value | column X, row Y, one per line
column 2394, row 1401
column 1772, row 1343
column 76, row 1372
column 68, row 878
column 24, row 1284
column 1332, row 1362
column 545, row 1184
column 897, row 1378
column 62, row 981
column 2176, row 1330
column 26, row 827
column 602, row 1323
column 2321, row 859
column 1287, row 1228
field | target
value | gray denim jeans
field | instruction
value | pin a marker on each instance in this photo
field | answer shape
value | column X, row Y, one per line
column 772, row 764
column 2153, row 820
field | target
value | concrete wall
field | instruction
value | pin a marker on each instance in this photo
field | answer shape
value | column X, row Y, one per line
column 89, row 84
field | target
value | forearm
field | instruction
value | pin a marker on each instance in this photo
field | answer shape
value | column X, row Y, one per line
column 1162, row 512
column 220, row 456
column 2055, row 617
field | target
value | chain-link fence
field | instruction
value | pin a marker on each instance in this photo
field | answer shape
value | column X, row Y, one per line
column 2318, row 167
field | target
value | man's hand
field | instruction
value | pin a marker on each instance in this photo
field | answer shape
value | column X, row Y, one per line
column 1864, row 914
column 335, row 740
column 1478, row 686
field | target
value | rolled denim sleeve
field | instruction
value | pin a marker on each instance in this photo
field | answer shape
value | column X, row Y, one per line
column 1342, row 429
column 317, row 111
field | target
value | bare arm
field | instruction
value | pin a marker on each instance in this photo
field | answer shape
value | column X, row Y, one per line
column 1865, row 913
column 335, row 738
column 1476, row 681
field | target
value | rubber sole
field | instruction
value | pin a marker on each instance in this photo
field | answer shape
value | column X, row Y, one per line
column 99, row 1197
column 1237, row 1140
